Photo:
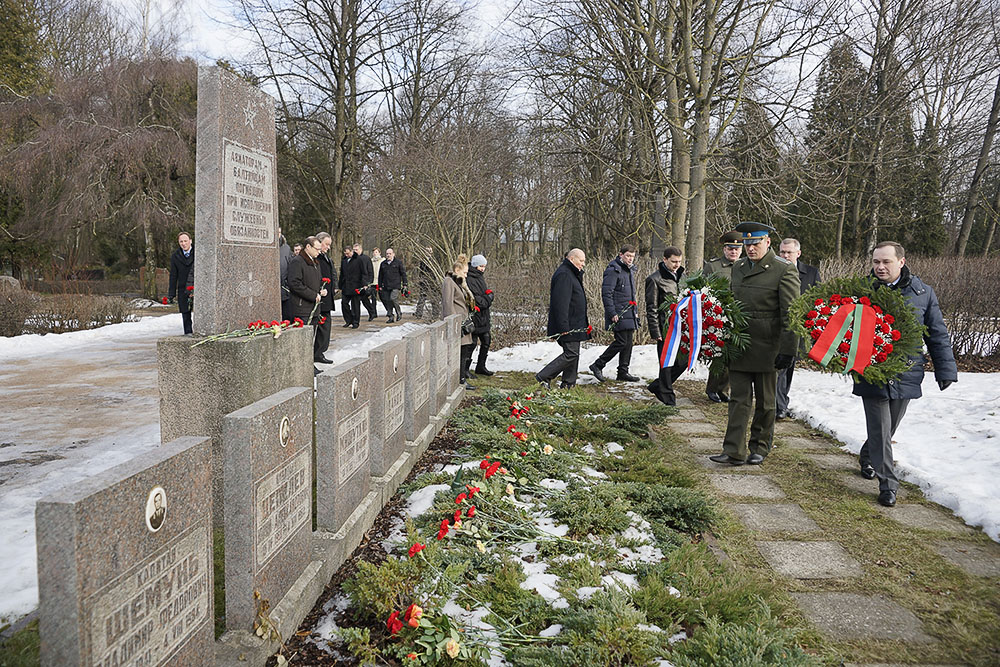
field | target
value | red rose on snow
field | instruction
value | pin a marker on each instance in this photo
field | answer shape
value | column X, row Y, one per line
column 416, row 548
column 895, row 334
column 815, row 333
column 393, row 623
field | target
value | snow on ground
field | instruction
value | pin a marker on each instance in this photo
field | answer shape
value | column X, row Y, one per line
column 32, row 345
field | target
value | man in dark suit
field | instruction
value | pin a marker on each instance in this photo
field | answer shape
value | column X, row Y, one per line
column 358, row 277
column 345, row 298
column 620, row 313
column 182, row 278
column 791, row 249
column 567, row 319
column 321, row 343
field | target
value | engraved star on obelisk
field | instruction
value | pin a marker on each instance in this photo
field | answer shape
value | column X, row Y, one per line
column 249, row 288
column 249, row 113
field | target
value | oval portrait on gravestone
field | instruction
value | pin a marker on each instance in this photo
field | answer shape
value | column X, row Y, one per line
column 156, row 508
column 395, row 363
column 284, row 431
column 354, row 389
column 421, row 348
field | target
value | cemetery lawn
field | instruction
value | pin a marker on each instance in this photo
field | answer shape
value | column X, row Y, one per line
column 589, row 543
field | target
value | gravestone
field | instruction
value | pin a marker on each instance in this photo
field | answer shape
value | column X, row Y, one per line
column 388, row 379
column 125, row 563
column 416, row 409
column 236, row 215
column 268, row 493
column 453, row 327
column 440, row 366
column 343, row 427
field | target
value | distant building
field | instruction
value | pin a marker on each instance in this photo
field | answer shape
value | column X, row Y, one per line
column 529, row 238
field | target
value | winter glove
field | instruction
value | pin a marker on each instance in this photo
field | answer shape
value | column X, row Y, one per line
column 783, row 361
column 944, row 384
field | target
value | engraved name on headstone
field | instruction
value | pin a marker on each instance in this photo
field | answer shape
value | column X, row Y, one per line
column 438, row 365
column 125, row 562
column 343, row 461
column 389, row 369
column 268, row 494
column 417, row 408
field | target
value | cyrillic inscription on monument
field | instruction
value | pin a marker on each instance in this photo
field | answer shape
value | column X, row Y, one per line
column 282, row 505
column 442, row 364
column 394, row 408
column 247, row 196
column 352, row 444
column 142, row 617
column 421, row 389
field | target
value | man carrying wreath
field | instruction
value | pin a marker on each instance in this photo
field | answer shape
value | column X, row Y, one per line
column 886, row 404
column 765, row 285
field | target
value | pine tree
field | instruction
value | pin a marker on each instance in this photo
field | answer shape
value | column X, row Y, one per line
column 927, row 235
column 21, row 48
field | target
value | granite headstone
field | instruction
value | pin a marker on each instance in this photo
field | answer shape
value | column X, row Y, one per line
column 236, row 213
column 454, row 329
column 388, row 386
column 416, row 409
column 125, row 562
column 267, row 467
column 440, row 366
column 343, row 428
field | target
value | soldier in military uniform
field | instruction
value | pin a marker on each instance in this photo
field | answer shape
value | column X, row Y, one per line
column 765, row 284
column 717, row 387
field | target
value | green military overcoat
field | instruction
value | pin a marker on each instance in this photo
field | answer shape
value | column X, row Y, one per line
column 766, row 290
column 719, row 265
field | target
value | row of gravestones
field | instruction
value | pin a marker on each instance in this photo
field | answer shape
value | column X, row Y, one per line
column 125, row 559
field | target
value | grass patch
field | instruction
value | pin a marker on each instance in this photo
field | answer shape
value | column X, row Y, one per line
column 22, row 648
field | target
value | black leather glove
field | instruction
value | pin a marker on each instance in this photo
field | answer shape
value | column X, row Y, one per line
column 783, row 361
column 944, row 384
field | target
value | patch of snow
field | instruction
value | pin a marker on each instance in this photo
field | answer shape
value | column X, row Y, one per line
column 648, row 628
column 625, row 582
column 422, row 500
column 613, row 448
column 551, row 631
column 549, row 527
column 539, row 580
column 553, row 484
column 453, row 468
column 590, row 472
column 589, row 449
column 397, row 534
column 587, row 592
column 526, row 548
column 31, row 345
column 679, row 637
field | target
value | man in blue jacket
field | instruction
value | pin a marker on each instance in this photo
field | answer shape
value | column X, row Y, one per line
column 620, row 313
column 567, row 319
column 885, row 405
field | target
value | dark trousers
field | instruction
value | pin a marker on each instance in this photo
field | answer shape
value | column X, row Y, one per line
column 783, row 384
column 321, row 335
column 484, row 340
column 663, row 386
column 184, row 306
column 345, row 306
column 286, row 310
column 390, row 299
column 882, row 416
column 465, row 360
column 355, row 305
column 718, row 384
column 621, row 346
column 747, row 387
column 566, row 363
column 369, row 300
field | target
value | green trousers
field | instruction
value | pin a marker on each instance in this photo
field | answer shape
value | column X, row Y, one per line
column 744, row 388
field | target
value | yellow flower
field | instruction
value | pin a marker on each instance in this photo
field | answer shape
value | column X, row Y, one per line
column 481, row 546
column 547, row 450
column 451, row 648
column 510, row 489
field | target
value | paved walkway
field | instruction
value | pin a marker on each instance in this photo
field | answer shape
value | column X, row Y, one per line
column 880, row 585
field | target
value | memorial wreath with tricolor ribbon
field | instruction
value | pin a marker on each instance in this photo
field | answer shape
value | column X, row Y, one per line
column 848, row 326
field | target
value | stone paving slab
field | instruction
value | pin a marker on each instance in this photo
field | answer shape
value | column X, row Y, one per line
column 774, row 517
column 708, row 464
column 798, row 442
column 866, row 487
column 921, row 516
column 687, row 414
column 749, row 486
column 809, row 560
column 683, row 402
column 693, row 428
column 834, row 461
column 852, row 616
column 713, row 445
column 976, row 560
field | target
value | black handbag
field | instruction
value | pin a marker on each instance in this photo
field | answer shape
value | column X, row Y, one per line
column 468, row 325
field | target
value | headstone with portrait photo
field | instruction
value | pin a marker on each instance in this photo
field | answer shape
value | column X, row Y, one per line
column 416, row 408
column 125, row 562
column 388, row 391
column 268, row 494
column 343, row 444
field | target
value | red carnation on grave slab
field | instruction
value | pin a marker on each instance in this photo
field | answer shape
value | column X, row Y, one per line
column 492, row 469
column 458, row 515
column 473, row 490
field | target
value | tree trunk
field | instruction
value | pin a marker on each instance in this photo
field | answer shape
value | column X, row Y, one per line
column 994, row 215
column 972, row 200
column 149, row 283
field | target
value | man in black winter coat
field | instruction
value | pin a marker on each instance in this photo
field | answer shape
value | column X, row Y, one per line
column 483, row 295
column 392, row 284
column 357, row 277
column 321, row 343
column 345, row 298
column 660, row 284
column 567, row 319
column 791, row 250
column 620, row 313
column 885, row 405
column 182, row 278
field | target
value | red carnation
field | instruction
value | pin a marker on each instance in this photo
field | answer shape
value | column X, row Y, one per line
column 865, row 301
column 458, row 515
column 885, row 327
column 485, row 463
column 889, row 318
column 590, row 329
column 815, row 333
column 460, row 498
column 821, row 322
column 818, row 302
column 326, row 280
column 416, row 548
column 489, row 291
column 357, row 291
column 165, row 300
column 834, row 298
column 877, row 310
column 393, row 622
column 825, row 310
column 443, row 530
column 878, row 341
column 631, row 303
column 848, row 335
column 471, row 512
column 476, row 308
column 190, row 288
column 844, row 348
column 299, row 322
column 707, row 352
column 896, row 334
column 881, row 356
column 322, row 319
column 717, row 309
column 492, row 469
column 888, row 348
column 809, row 324
column 473, row 490
column 843, row 360
column 812, row 314
column 524, row 453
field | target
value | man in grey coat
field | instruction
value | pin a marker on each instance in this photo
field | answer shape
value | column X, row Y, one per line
column 620, row 313
column 885, row 405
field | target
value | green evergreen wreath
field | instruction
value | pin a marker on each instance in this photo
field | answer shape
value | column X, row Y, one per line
column 725, row 333
column 897, row 332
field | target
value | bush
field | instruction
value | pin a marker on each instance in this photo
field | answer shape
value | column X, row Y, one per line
column 733, row 645
column 16, row 306
column 378, row 590
column 72, row 312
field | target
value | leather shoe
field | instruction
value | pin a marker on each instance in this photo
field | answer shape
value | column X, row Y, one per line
column 371, row 317
column 712, row 396
column 566, row 385
column 322, row 360
column 545, row 383
column 723, row 397
column 867, row 471
column 482, row 370
column 468, row 386
column 887, row 498
column 355, row 325
column 755, row 459
column 347, row 325
column 596, row 370
column 783, row 415
column 390, row 320
column 627, row 377
column 726, row 458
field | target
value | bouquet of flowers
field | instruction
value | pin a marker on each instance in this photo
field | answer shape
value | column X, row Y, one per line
column 851, row 327
column 704, row 311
